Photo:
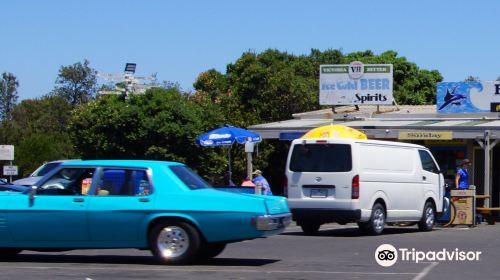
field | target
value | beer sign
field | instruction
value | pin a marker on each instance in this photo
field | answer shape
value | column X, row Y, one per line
column 355, row 84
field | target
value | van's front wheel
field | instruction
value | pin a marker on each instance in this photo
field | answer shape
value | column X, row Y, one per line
column 309, row 227
column 376, row 224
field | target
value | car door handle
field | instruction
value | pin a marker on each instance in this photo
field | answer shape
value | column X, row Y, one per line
column 78, row 200
column 424, row 178
column 143, row 199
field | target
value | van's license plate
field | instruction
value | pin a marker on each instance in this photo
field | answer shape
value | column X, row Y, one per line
column 319, row 192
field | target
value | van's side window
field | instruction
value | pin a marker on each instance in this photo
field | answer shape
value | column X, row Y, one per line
column 428, row 163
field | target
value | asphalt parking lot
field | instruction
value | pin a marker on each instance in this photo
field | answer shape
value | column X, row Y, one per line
column 338, row 252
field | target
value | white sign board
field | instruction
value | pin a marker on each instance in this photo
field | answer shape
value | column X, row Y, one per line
column 6, row 152
column 355, row 84
column 10, row 170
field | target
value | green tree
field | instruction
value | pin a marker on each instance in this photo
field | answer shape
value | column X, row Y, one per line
column 161, row 124
column 76, row 83
column 471, row 79
column 38, row 130
column 273, row 85
column 412, row 85
column 261, row 87
column 8, row 94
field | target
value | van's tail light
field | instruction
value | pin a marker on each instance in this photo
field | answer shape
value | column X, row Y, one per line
column 285, row 186
column 355, row 187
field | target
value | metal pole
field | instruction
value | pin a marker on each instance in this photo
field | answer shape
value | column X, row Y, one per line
column 249, row 148
column 249, row 165
column 487, row 186
column 230, row 175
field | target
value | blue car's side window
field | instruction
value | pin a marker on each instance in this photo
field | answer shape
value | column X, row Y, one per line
column 123, row 182
column 68, row 181
column 189, row 177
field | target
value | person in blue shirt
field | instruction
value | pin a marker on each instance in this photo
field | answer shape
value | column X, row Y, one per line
column 462, row 178
column 259, row 180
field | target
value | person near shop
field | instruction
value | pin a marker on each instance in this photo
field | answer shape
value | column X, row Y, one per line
column 259, row 180
column 462, row 177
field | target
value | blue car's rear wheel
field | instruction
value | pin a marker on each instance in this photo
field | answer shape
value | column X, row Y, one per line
column 210, row 250
column 7, row 253
column 173, row 242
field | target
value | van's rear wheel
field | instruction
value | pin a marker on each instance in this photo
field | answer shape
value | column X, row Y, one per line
column 309, row 227
column 428, row 217
column 375, row 225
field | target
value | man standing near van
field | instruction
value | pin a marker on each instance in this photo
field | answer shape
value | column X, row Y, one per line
column 462, row 178
column 259, row 180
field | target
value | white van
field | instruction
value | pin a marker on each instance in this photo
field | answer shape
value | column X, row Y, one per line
column 365, row 181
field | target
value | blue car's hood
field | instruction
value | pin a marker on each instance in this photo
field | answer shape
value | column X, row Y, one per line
column 28, row 181
column 13, row 188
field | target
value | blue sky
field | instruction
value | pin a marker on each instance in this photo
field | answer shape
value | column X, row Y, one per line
column 179, row 39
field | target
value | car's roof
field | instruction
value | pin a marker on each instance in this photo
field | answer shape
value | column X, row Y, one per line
column 125, row 163
column 61, row 160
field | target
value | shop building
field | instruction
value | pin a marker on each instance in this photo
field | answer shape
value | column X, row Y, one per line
column 451, row 137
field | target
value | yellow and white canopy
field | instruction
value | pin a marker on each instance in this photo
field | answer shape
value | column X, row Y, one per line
column 334, row 131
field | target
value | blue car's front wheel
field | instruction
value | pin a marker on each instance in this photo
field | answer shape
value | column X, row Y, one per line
column 174, row 242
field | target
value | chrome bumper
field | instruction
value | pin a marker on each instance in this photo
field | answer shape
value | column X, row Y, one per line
column 273, row 222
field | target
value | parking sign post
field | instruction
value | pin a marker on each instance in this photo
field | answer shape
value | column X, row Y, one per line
column 10, row 170
column 7, row 153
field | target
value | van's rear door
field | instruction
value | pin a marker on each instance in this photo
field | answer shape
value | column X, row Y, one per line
column 321, row 170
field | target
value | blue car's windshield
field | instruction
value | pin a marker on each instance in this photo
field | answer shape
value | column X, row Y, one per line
column 44, row 169
column 189, row 177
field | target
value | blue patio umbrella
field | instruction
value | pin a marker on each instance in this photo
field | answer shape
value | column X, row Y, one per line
column 226, row 136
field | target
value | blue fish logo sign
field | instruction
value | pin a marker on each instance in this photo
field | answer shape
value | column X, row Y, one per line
column 462, row 97
column 452, row 98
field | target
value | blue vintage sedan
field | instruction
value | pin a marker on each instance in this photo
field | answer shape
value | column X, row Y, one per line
column 161, row 206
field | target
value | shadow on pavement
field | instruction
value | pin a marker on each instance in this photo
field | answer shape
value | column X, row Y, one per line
column 237, row 262
column 354, row 232
column 117, row 259
column 97, row 259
